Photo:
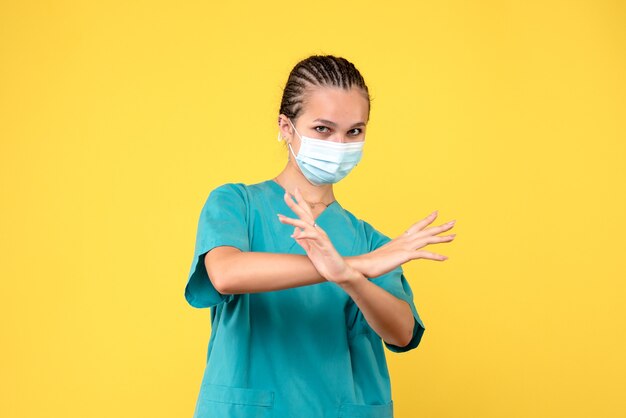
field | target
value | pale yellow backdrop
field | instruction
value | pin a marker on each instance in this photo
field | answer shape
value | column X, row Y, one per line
column 118, row 118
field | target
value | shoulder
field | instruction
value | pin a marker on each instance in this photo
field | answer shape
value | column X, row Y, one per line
column 226, row 197
column 226, row 192
column 243, row 190
column 230, row 188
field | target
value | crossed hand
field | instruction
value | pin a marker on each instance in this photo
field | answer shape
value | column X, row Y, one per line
column 333, row 267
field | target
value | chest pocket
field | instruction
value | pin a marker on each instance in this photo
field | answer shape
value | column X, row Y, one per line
column 355, row 410
column 233, row 402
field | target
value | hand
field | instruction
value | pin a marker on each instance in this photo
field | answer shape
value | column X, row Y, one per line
column 314, row 240
column 404, row 248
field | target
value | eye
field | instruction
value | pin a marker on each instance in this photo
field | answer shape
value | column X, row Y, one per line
column 358, row 131
column 323, row 127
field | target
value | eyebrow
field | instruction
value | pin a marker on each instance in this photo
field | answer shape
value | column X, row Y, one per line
column 327, row 122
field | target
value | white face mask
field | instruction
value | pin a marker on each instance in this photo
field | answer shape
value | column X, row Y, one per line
column 326, row 162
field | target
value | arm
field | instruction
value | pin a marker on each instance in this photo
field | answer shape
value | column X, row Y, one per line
column 234, row 271
column 390, row 317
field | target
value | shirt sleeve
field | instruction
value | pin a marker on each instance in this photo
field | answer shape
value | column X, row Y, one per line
column 223, row 221
column 395, row 283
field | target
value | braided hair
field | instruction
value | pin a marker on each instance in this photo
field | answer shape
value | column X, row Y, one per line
column 322, row 71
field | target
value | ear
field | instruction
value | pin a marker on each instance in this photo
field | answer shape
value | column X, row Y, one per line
column 284, row 128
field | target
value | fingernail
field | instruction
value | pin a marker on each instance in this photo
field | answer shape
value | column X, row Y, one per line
column 434, row 213
column 452, row 222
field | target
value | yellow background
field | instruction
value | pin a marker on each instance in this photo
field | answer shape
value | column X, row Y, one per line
column 118, row 118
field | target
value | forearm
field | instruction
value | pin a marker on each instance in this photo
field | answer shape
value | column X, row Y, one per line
column 391, row 317
column 252, row 272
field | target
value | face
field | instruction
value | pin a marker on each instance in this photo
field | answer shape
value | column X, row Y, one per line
column 331, row 114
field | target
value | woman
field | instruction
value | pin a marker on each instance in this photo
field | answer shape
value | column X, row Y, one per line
column 301, row 291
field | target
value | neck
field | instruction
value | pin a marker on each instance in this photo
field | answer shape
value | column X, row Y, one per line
column 291, row 177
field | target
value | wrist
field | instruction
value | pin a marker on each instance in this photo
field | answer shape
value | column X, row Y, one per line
column 350, row 277
column 358, row 263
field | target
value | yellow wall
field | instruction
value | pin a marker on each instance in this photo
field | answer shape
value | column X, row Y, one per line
column 116, row 120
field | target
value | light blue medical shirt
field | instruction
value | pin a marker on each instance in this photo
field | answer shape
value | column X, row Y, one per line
column 300, row 352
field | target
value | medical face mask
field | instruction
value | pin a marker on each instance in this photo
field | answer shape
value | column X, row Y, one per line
column 326, row 162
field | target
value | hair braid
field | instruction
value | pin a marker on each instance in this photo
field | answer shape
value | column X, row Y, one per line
column 319, row 70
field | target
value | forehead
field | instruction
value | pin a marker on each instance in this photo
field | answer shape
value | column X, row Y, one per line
column 336, row 104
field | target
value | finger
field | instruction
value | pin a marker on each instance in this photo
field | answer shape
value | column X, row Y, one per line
column 298, row 210
column 437, row 229
column 303, row 203
column 295, row 222
column 300, row 225
column 311, row 236
column 418, row 226
column 304, row 244
column 428, row 255
column 435, row 239
column 308, row 235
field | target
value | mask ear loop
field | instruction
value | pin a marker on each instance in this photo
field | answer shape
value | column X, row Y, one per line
column 294, row 129
column 291, row 149
column 279, row 138
column 289, row 145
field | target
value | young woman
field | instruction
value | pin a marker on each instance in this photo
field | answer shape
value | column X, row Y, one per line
column 303, row 293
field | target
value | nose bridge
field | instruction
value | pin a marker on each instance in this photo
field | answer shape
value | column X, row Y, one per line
column 339, row 137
